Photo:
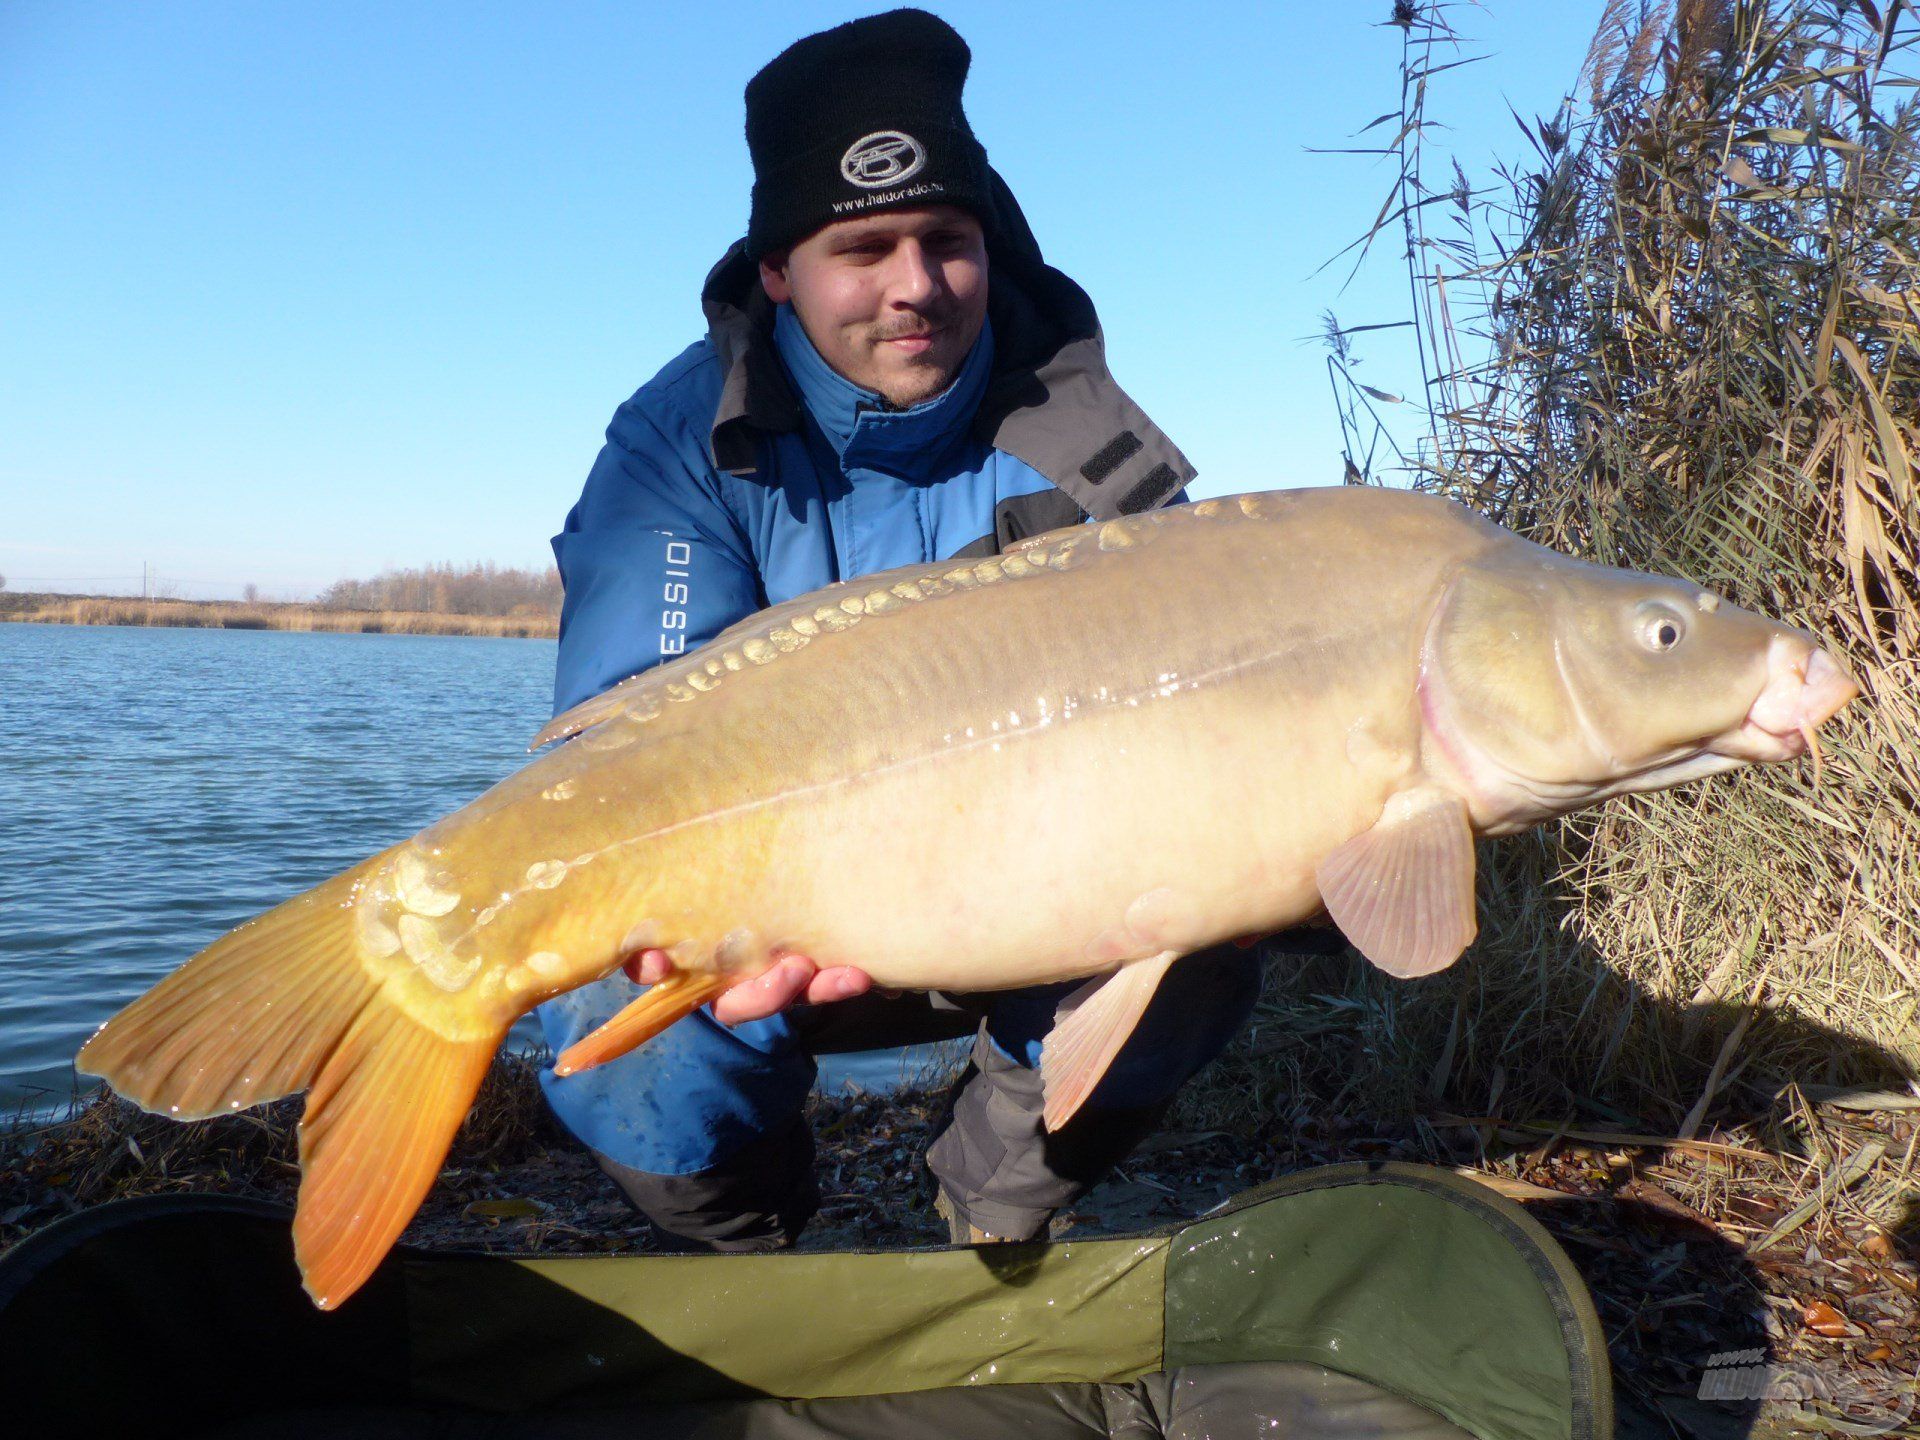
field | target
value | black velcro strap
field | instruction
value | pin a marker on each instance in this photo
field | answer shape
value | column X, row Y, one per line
column 1111, row 456
column 1154, row 486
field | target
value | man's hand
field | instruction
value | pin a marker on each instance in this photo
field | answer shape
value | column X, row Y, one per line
column 791, row 979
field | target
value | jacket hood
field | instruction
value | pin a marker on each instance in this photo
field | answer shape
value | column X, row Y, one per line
column 1049, row 400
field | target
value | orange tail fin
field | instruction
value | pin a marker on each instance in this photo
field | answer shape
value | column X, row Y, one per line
column 674, row 998
column 378, row 1123
column 283, row 1004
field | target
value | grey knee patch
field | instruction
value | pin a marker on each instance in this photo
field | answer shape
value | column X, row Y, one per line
column 999, row 1168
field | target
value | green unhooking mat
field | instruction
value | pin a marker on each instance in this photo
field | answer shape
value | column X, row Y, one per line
column 1378, row 1300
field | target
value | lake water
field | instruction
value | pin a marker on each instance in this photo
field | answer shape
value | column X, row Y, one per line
column 159, row 786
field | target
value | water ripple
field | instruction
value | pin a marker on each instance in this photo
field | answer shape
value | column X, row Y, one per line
column 157, row 787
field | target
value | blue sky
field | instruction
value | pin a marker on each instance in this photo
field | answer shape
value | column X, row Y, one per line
column 296, row 292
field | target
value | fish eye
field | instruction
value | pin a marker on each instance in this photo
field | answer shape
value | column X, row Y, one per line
column 1661, row 628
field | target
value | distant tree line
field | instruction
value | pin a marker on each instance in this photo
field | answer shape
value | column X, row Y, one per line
column 485, row 589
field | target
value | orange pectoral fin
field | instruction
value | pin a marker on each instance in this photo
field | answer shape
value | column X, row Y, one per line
column 674, row 998
column 1403, row 891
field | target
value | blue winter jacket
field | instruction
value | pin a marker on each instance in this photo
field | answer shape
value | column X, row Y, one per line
column 664, row 551
column 748, row 472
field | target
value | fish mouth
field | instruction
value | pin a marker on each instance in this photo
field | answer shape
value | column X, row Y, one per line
column 1805, row 688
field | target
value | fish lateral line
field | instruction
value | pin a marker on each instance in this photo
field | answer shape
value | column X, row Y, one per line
column 1026, row 731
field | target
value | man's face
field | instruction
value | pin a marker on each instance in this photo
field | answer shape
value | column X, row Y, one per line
column 894, row 301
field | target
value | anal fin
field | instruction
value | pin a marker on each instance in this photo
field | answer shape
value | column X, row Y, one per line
column 1402, row 891
column 1089, row 1029
column 674, row 998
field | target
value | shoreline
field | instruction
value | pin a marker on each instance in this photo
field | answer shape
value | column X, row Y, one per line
column 54, row 609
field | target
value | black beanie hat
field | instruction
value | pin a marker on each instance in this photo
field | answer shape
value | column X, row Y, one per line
column 863, row 117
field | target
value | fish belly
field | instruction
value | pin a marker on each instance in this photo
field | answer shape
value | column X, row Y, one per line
column 1062, row 849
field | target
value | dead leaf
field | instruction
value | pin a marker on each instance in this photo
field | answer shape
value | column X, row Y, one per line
column 1823, row 1319
column 1857, row 1097
column 1511, row 1188
column 1670, row 1207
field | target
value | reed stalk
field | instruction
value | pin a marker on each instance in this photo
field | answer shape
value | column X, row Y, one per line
column 1685, row 337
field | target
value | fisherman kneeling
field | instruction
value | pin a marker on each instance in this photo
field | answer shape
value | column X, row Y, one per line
column 890, row 375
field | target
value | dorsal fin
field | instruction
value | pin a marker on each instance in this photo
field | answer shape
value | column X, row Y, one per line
column 790, row 626
column 1052, row 550
column 610, row 702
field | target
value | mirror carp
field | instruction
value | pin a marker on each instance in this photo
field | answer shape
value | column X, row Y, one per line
column 1106, row 748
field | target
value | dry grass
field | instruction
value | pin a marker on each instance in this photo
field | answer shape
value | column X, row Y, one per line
column 1710, row 1208
column 259, row 615
column 1791, row 1232
column 1687, row 339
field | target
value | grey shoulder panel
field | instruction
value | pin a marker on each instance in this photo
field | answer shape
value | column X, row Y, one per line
column 1054, row 404
column 1098, row 446
column 754, row 395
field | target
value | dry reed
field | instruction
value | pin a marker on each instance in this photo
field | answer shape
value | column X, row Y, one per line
column 1685, row 338
column 257, row 615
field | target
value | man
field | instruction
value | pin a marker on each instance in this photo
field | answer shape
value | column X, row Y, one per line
column 891, row 374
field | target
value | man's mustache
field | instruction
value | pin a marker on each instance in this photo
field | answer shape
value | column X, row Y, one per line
column 908, row 328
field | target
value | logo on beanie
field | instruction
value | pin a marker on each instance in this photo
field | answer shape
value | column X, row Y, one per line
column 883, row 158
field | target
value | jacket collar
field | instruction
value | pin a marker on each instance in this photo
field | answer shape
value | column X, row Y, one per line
column 859, row 424
column 1047, row 398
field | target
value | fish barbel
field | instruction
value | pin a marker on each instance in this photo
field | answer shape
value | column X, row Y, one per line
column 1109, row 747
